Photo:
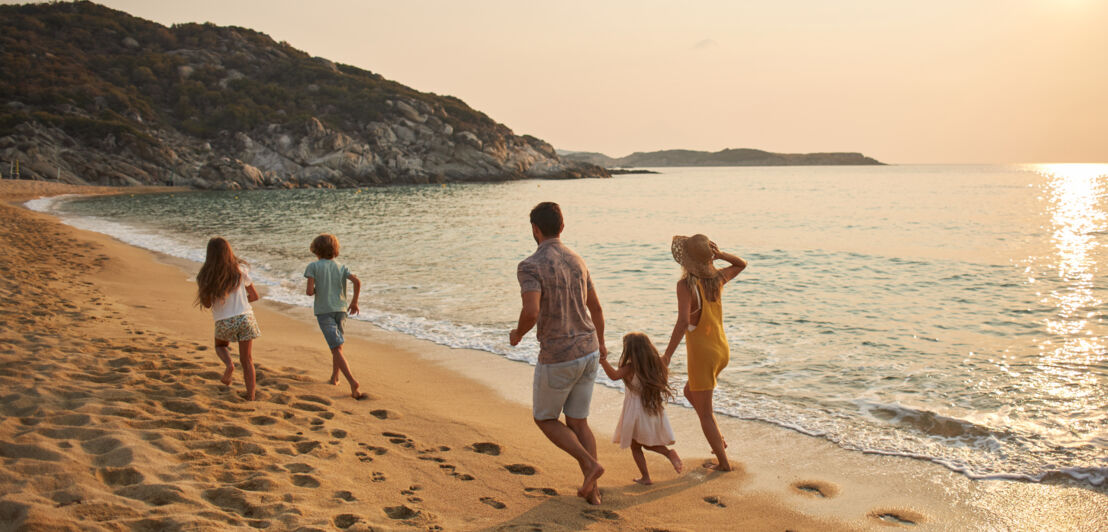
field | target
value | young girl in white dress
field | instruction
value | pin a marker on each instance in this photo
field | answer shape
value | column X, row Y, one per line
column 643, row 423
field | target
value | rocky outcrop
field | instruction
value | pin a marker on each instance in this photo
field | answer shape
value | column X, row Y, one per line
column 116, row 100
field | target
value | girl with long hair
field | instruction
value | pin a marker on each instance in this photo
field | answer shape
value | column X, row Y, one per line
column 643, row 423
column 224, row 285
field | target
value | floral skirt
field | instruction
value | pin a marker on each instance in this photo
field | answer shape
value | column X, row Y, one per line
column 237, row 328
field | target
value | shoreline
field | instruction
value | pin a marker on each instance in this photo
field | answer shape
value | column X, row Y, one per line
column 785, row 479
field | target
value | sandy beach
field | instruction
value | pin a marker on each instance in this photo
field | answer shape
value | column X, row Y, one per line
column 114, row 419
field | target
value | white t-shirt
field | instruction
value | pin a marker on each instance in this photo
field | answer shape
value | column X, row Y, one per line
column 235, row 302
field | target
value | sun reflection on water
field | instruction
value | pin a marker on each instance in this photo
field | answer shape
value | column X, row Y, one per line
column 1077, row 221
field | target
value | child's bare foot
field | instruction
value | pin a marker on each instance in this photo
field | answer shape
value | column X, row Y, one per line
column 334, row 379
column 644, row 481
column 674, row 459
column 227, row 376
column 355, row 391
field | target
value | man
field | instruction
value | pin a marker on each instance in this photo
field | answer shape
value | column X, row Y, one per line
column 556, row 291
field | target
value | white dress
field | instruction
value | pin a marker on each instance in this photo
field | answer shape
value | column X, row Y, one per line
column 635, row 423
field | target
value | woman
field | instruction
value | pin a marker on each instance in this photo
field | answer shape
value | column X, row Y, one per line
column 700, row 321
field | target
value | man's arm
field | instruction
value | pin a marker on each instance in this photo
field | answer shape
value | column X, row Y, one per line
column 528, row 315
column 592, row 301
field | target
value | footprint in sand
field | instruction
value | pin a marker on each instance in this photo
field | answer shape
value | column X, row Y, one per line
column 815, row 489
column 257, row 484
column 299, row 468
column 384, row 414
column 378, row 477
column 307, row 446
column 305, row 481
column 345, row 521
column 338, row 433
column 540, row 492
column 488, row 448
column 597, row 514
column 494, row 503
column 897, row 517
column 521, row 469
column 153, row 494
column 315, row 399
column 373, row 449
column 184, row 407
column 714, row 501
column 399, row 439
column 120, row 476
column 400, row 512
column 345, row 495
column 309, row 407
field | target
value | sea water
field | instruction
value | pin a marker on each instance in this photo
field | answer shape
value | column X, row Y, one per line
column 949, row 313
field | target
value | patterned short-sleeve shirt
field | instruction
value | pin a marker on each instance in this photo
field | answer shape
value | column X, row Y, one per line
column 565, row 329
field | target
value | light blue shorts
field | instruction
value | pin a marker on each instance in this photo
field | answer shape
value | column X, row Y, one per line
column 565, row 386
column 331, row 325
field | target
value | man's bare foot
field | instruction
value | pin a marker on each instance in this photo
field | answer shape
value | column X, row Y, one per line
column 674, row 459
column 334, row 379
column 644, row 481
column 588, row 490
column 247, row 395
column 227, row 376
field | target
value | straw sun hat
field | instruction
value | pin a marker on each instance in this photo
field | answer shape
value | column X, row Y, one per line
column 694, row 253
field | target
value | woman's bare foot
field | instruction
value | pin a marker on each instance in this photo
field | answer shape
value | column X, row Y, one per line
column 227, row 376
column 717, row 467
column 644, row 481
column 674, row 459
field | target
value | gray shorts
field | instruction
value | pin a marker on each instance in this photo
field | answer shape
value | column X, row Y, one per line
column 331, row 325
column 565, row 386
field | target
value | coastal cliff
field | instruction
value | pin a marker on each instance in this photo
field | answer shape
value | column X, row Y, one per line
column 728, row 157
column 96, row 96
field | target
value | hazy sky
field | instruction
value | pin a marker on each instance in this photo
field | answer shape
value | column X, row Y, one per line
column 902, row 81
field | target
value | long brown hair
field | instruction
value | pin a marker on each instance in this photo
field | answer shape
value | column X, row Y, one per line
column 220, row 273
column 653, row 376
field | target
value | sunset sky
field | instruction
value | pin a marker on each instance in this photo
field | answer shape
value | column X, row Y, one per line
column 944, row 81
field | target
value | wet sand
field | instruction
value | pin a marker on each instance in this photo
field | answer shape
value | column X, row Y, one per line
column 114, row 419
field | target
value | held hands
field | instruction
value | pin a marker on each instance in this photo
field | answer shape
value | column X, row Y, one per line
column 514, row 337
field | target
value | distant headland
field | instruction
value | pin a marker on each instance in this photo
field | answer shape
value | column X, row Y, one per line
column 728, row 157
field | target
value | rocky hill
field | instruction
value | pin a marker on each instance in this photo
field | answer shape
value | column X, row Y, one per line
column 94, row 95
column 728, row 157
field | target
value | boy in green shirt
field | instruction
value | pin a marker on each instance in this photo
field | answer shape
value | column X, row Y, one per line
column 327, row 282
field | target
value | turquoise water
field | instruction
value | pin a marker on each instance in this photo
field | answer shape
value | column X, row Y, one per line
column 951, row 313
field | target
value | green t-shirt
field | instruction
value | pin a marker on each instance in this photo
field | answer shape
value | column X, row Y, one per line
column 330, row 285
